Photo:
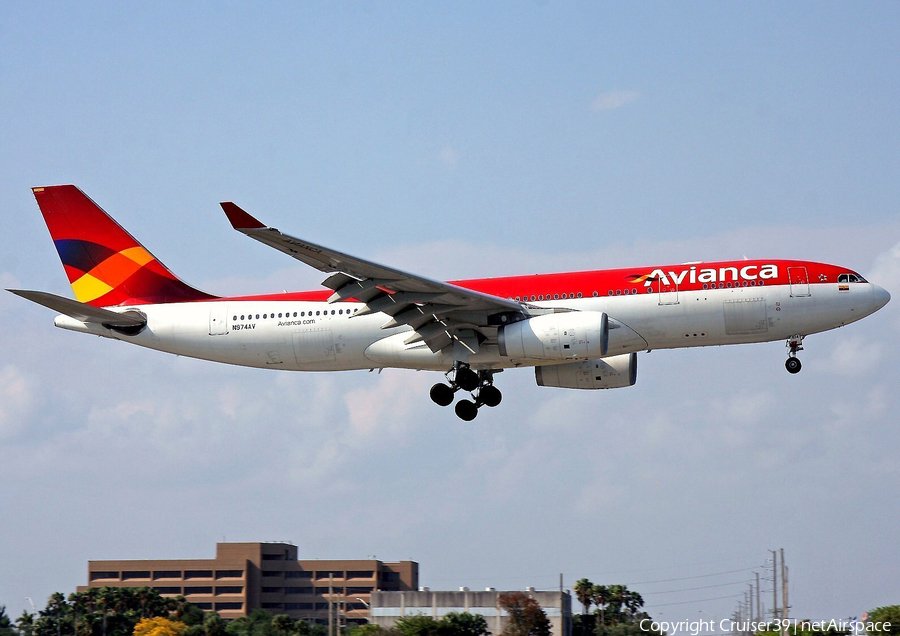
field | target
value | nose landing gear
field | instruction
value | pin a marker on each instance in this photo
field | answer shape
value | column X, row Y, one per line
column 794, row 344
column 479, row 383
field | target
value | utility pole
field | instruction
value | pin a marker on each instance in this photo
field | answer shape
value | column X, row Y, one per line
column 774, row 584
column 759, row 615
column 784, row 607
column 784, row 585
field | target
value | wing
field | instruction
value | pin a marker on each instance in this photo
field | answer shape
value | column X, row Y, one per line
column 437, row 311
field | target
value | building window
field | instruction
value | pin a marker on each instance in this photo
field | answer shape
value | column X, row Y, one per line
column 325, row 574
column 298, row 590
column 273, row 557
column 335, row 589
column 229, row 574
column 168, row 590
column 229, row 589
column 359, row 590
column 298, row 575
column 360, row 574
column 390, row 576
column 229, row 606
column 272, row 605
column 203, row 606
column 321, row 606
column 299, row 606
column 104, row 575
column 273, row 590
column 203, row 589
column 270, row 573
column 198, row 574
column 167, row 574
column 136, row 574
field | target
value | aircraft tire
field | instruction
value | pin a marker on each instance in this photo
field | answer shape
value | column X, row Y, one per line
column 467, row 379
column 466, row 410
column 793, row 365
column 441, row 394
column 490, row 395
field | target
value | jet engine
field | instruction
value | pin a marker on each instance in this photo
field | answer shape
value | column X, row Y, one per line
column 565, row 336
column 603, row 373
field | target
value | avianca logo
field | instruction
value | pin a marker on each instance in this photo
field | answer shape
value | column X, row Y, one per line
column 708, row 275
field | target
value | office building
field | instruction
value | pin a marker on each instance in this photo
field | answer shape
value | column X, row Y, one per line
column 248, row 576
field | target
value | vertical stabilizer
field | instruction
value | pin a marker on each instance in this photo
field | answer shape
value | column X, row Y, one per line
column 106, row 266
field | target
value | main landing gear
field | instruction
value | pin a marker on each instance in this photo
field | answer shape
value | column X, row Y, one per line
column 794, row 344
column 479, row 383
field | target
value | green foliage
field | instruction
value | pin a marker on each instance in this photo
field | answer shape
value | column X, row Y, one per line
column 213, row 625
column 6, row 625
column 419, row 626
column 465, row 624
column 888, row 614
column 194, row 630
column 370, row 629
column 584, row 594
column 105, row 611
column 526, row 618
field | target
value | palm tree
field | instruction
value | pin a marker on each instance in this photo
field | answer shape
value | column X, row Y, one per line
column 633, row 601
column 79, row 608
column 58, row 606
column 25, row 623
column 600, row 595
column 583, row 589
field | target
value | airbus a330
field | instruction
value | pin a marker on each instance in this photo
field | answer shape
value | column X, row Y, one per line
column 577, row 330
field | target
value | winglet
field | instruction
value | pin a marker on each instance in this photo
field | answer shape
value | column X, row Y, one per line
column 239, row 219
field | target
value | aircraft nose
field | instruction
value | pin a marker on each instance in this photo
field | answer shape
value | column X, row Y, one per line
column 880, row 297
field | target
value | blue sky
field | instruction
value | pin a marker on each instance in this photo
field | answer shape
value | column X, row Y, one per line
column 458, row 140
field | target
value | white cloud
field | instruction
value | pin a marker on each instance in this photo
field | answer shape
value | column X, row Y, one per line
column 16, row 401
column 614, row 99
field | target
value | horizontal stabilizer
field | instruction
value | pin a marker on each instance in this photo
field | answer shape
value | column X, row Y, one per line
column 83, row 312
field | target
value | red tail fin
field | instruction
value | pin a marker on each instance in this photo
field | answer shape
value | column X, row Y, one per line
column 106, row 266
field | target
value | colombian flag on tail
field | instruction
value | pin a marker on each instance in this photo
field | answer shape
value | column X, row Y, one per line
column 106, row 266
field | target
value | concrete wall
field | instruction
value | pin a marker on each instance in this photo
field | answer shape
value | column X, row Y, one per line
column 387, row 607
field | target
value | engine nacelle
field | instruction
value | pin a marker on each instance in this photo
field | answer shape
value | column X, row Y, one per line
column 603, row 373
column 575, row 335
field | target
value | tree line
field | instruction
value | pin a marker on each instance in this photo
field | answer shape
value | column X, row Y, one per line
column 618, row 610
column 114, row 611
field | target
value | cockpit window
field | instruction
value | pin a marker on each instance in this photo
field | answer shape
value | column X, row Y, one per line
column 851, row 278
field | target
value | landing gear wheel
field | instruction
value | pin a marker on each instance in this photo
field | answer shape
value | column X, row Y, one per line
column 466, row 410
column 793, row 365
column 467, row 379
column 490, row 395
column 441, row 394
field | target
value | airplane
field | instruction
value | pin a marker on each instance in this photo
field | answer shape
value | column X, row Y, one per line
column 577, row 330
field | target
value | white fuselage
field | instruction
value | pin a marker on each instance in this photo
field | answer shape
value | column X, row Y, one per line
column 318, row 336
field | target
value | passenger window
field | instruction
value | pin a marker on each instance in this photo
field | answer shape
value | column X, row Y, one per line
column 317, row 313
column 257, row 316
column 235, row 318
column 332, row 312
column 844, row 278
